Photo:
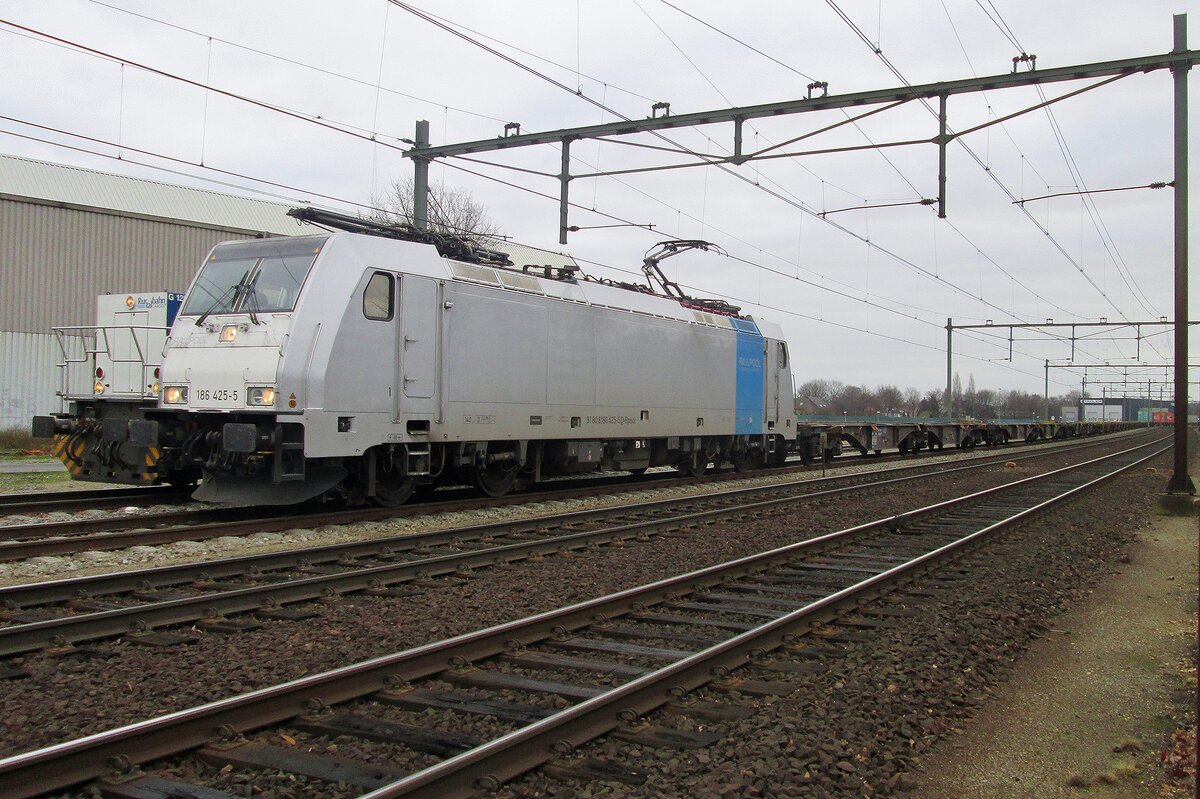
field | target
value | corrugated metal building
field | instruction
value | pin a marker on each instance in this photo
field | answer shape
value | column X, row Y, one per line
column 69, row 234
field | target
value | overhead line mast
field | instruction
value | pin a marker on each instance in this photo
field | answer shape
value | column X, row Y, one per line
column 1181, row 482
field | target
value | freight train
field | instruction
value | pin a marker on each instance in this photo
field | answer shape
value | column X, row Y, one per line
column 372, row 360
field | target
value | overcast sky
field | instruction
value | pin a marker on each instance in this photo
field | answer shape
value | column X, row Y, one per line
column 863, row 295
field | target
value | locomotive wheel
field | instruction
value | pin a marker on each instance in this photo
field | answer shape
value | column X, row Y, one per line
column 495, row 480
column 693, row 464
column 393, row 491
column 746, row 460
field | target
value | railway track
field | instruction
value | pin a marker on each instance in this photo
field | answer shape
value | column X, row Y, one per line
column 31, row 539
column 89, row 499
column 27, row 540
column 449, row 718
column 274, row 585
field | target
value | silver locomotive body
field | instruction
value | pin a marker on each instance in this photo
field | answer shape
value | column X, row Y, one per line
column 368, row 367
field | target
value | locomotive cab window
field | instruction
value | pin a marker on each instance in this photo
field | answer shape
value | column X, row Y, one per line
column 256, row 276
column 378, row 297
column 782, row 355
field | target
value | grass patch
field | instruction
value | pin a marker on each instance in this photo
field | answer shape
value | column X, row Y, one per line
column 25, row 483
column 14, row 440
column 1123, row 768
column 1144, row 661
column 1077, row 780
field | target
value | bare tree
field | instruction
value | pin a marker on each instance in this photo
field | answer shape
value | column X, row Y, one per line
column 887, row 400
column 912, row 401
column 931, row 403
column 452, row 210
column 819, row 391
column 834, row 398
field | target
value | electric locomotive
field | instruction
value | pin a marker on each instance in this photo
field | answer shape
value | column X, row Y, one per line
column 373, row 360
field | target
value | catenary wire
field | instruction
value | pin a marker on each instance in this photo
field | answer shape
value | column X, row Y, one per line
column 1024, row 160
column 722, row 95
column 727, row 101
column 975, row 157
column 795, row 203
column 1097, row 219
column 188, row 81
column 799, row 205
column 954, row 227
column 840, row 325
column 294, row 62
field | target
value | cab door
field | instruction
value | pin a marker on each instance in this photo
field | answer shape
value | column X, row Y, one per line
column 772, row 387
column 360, row 375
column 418, row 346
column 778, row 383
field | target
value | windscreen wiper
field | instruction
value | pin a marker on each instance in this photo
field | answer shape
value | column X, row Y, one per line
column 235, row 289
column 250, row 298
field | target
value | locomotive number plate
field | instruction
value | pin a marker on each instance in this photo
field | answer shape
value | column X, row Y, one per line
column 216, row 395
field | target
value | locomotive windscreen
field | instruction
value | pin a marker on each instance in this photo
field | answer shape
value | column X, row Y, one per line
column 258, row 276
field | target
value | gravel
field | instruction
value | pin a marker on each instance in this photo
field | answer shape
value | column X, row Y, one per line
column 861, row 728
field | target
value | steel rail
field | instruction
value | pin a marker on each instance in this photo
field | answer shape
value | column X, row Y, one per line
column 71, row 762
column 26, row 637
column 98, row 585
column 213, row 522
column 92, row 498
column 156, row 577
column 39, row 539
column 73, row 535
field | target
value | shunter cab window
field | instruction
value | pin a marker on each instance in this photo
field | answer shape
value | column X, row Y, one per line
column 378, row 297
column 782, row 355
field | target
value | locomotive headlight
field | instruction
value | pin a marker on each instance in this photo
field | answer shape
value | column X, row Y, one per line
column 228, row 333
column 175, row 395
column 260, row 396
column 98, row 387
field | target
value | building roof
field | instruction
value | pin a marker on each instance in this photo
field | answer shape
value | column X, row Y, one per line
column 58, row 184
column 70, row 186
